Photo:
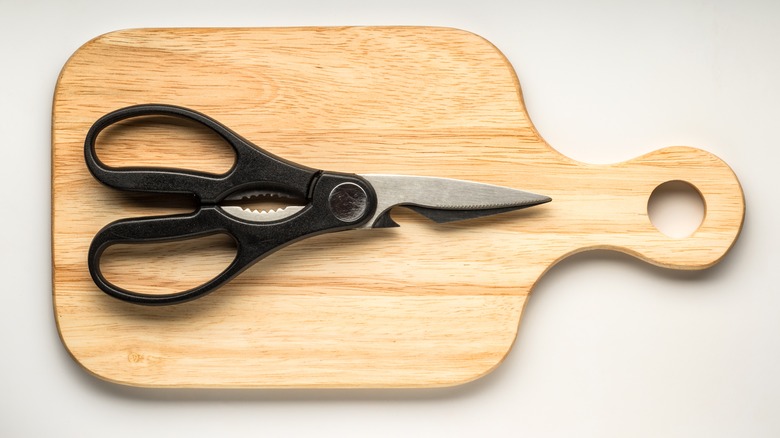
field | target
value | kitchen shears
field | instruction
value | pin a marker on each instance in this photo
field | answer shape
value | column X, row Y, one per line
column 334, row 202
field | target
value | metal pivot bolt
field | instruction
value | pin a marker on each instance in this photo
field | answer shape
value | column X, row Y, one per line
column 348, row 202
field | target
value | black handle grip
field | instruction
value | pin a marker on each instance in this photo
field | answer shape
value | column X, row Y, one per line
column 204, row 222
column 254, row 240
column 253, row 166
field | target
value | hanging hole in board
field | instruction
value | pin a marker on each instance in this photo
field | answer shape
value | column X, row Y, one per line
column 164, row 141
column 676, row 208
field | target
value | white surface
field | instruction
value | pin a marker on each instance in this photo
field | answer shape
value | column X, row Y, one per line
column 608, row 346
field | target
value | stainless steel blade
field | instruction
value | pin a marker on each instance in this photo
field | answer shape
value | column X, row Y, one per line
column 444, row 199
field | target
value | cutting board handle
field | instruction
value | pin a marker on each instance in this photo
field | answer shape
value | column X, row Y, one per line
column 626, row 224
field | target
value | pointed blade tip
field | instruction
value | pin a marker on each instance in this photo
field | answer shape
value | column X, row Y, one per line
column 541, row 199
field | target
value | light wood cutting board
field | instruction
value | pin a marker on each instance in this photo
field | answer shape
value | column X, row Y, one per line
column 417, row 306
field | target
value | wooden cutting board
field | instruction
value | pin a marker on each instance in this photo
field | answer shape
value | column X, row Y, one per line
column 417, row 306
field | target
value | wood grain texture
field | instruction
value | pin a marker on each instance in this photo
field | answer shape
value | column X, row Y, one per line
column 417, row 306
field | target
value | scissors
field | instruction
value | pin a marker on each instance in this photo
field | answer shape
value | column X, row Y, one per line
column 334, row 202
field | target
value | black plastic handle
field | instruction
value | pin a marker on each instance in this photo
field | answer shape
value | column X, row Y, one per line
column 253, row 166
column 206, row 221
column 254, row 240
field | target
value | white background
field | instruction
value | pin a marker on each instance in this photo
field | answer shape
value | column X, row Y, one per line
column 608, row 346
